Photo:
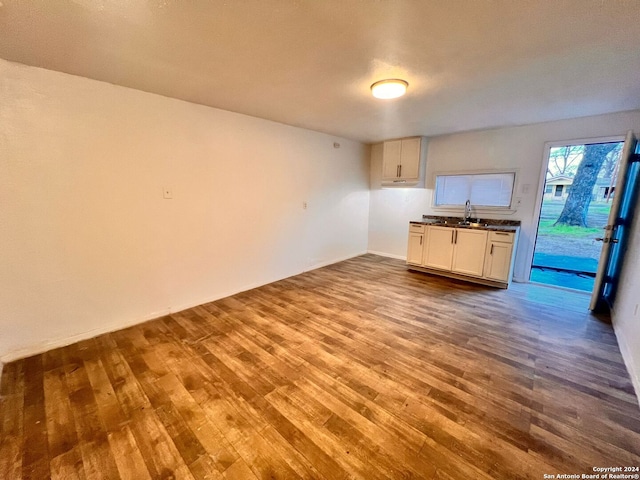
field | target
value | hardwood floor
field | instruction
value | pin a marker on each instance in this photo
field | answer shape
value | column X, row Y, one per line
column 358, row 370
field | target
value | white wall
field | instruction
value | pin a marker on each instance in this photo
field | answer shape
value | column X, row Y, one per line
column 521, row 148
column 88, row 244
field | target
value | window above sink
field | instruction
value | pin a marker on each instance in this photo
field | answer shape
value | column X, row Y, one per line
column 493, row 190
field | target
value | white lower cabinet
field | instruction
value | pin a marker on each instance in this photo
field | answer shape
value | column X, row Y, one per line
column 468, row 252
column 481, row 255
column 499, row 256
column 438, row 250
column 416, row 244
column 456, row 250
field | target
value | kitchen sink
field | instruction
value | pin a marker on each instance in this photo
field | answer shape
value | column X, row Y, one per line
column 467, row 223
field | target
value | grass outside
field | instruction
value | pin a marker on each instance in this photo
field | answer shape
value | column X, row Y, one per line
column 596, row 219
column 571, row 247
column 547, row 228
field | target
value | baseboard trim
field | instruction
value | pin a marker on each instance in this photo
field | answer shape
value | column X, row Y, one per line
column 388, row 255
column 51, row 344
column 315, row 266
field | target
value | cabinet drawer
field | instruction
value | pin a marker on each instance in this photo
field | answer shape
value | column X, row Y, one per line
column 416, row 228
column 504, row 237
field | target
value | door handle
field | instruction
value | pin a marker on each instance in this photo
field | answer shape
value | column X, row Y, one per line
column 452, row 232
column 491, row 252
column 605, row 240
column 613, row 240
column 420, row 239
column 400, row 170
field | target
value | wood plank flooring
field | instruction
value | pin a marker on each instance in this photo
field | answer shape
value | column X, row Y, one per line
column 360, row 370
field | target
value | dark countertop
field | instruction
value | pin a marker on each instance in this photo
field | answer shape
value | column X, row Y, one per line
column 485, row 223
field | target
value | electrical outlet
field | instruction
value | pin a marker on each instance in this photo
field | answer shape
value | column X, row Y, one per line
column 304, row 205
column 167, row 193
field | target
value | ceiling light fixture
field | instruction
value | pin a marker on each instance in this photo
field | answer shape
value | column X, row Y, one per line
column 391, row 88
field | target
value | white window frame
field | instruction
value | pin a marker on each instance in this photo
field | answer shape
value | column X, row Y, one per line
column 478, row 208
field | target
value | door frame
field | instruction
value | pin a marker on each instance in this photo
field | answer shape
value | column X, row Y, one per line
column 535, row 219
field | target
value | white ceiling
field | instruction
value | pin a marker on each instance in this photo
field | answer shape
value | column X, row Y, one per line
column 470, row 64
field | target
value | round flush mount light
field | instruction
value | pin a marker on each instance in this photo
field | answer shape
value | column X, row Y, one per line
column 391, row 88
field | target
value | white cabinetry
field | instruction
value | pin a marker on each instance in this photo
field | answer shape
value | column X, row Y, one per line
column 438, row 251
column 499, row 256
column 456, row 250
column 416, row 244
column 391, row 152
column 403, row 162
column 468, row 252
column 480, row 255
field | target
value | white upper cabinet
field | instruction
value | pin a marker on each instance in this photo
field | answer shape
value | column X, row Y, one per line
column 403, row 162
column 410, row 158
column 391, row 154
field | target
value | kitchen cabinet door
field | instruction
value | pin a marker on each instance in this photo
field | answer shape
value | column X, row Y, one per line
column 469, row 252
column 416, row 245
column 498, row 262
column 410, row 159
column 438, row 252
column 391, row 152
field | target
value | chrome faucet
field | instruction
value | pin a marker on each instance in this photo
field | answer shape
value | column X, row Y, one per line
column 467, row 211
